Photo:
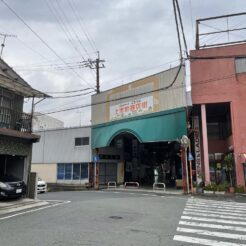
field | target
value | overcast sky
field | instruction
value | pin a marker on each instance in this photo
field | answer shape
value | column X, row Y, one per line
column 136, row 38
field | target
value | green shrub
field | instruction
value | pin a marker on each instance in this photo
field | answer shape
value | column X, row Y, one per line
column 239, row 189
column 210, row 187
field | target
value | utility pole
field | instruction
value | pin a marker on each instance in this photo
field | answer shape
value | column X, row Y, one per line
column 96, row 64
column 4, row 35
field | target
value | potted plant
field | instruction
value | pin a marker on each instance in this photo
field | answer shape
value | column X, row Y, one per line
column 210, row 189
column 221, row 188
column 228, row 164
column 239, row 189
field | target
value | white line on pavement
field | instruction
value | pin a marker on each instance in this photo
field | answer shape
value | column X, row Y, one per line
column 215, row 201
column 212, row 233
column 213, row 215
column 33, row 210
column 212, row 211
column 213, row 220
column 217, row 205
column 223, row 227
column 216, row 208
column 202, row 241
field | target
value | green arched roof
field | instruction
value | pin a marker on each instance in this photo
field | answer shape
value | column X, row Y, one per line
column 162, row 126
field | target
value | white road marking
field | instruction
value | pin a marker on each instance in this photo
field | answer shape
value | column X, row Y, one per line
column 214, row 226
column 215, row 201
column 212, row 211
column 212, row 233
column 215, row 208
column 213, row 220
column 214, row 215
column 217, row 205
column 203, row 241
column 33, row 210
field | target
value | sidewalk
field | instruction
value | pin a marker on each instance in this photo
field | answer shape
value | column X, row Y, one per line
column 145, row 190
column 17, row 205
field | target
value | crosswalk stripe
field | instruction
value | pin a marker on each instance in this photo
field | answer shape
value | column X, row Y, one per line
column 203, row 241
column 216, row 208
column 214, row 220
column 212, row 233
column 212, row 223
column 214, row 215
column 217, row 204
column 212, row 211
column 214, row 226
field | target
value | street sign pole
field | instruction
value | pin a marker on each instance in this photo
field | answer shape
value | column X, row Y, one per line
column 185, row 144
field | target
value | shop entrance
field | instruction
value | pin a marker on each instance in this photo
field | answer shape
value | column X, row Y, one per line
column 148, row 163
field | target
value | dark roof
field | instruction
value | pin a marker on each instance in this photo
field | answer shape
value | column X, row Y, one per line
column 10, row 80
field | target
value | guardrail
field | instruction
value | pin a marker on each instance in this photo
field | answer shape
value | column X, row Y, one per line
column 112, row 184
column 156, row 186
column 131, row 185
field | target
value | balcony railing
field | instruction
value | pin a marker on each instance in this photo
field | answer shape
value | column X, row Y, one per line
column 15, row 120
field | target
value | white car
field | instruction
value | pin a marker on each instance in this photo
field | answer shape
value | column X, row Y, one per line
column 41, row 186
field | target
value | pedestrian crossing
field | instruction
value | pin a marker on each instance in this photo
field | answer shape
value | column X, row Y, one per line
column 212, row 223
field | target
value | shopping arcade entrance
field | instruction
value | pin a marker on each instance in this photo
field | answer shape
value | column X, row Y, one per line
column 146, row 147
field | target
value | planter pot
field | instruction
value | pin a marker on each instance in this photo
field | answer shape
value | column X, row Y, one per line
column 208, row 192
column 231, row 189
column 220, row 192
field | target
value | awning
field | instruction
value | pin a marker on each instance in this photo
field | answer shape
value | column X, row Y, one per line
column 167, row 125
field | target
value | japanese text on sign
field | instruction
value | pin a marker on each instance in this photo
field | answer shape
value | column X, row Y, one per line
column 131, row 108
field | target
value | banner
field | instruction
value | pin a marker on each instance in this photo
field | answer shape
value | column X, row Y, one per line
column 132, row 108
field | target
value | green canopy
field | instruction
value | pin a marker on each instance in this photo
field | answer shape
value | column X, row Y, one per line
column 162, row 126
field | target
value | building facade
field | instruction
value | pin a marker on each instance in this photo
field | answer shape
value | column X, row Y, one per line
column 136, row 128
column 16, row 136
column 218, row 80
column 63, row 155
column 42, row 122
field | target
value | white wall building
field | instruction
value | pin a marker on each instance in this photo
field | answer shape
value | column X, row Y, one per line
column 44, row 122
column 63, row 155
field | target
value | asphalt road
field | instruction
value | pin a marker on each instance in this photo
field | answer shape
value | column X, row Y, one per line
column 122, row 219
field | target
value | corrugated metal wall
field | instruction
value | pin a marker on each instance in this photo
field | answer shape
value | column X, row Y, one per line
column 171, row 98
column 59, row 146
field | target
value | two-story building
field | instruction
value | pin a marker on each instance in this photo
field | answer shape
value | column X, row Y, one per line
column 16, row 136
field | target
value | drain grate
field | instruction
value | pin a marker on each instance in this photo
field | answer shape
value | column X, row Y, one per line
column 116, row 217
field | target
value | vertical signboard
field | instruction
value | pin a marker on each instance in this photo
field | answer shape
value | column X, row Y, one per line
column 197, row 144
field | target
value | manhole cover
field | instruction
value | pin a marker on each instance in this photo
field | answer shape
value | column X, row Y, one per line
column 116, row 217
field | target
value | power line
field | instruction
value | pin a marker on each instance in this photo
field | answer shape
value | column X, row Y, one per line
column 182, row 28
column 71, row 96
column 41, row 39
column 80, row 21
column 125, row 97
column 65, row 92
column 195, row 83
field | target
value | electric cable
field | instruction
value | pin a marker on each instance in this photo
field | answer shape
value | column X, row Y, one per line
column 41, row 39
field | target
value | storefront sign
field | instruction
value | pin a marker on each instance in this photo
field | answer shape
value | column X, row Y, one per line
column 131, row 108
column 197, row 149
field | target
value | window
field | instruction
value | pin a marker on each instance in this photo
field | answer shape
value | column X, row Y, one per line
column 81, row 141
column 72, row 171
column 60, row 171
column 68, row 171
column 240, row 64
